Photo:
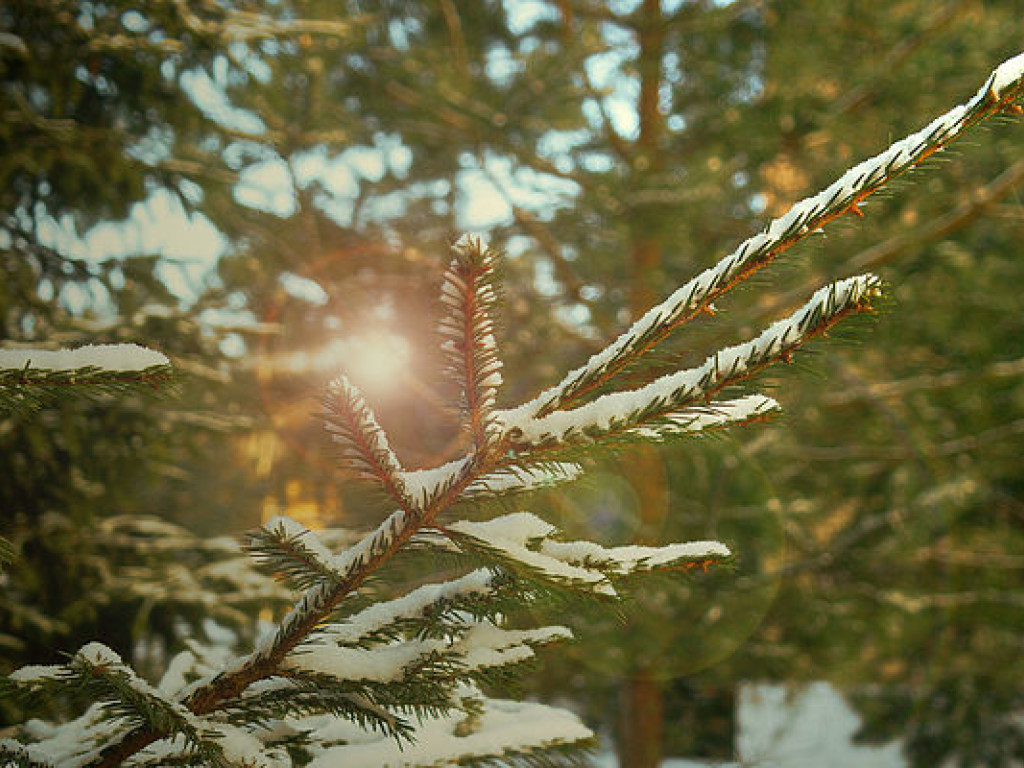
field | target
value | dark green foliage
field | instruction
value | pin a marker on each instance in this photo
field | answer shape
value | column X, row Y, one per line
column 23, row 393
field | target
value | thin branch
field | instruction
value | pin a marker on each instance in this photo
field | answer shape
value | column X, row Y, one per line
column 947, row 380
column 456, row 38
column 973, row 208
column 842, row 197
column 897, row 56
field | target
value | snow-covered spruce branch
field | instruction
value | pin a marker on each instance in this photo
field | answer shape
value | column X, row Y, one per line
column 31, row 379
column 468, row 331
column 844, row 196
column 127, row 701
column 669, row 398
column 409, row 654
column 336, row 673
column 364, row 446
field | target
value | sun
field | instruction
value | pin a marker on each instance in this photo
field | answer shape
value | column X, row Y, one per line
column 375, row 362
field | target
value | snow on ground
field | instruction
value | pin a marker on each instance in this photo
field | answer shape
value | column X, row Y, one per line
column 791, row 728
column 809, row 728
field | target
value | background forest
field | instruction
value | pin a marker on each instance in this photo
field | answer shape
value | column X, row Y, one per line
column 265, row 192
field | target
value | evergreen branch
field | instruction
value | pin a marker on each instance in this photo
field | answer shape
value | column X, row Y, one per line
column 705, row 418
column 528, row 546
column 417, row 612
column 517, row 584
column 32, row 379
column 468, row 296
column 293, row 552
column 296, row 696
column 104, row 677
column 364, row 445
column 516, row 546
column 27, row 390
column 483, row 732
column 844, row 196
column 511, row 541
column 350, row 568
column 316, row 603
column 636, row 559
column 478, row 647
column 701, row 420
column 425, row 689
column 424, row 486
column 515, row 480
column 670, row 394
column 903, row 244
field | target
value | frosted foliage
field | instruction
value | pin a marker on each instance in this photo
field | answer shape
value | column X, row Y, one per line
column 629, row 559
column 525, row 479
column 310, row 541
column 712, row 416
column 483, row 645
column 1008, row 73
column 414, row 604
column 422, row 485
column 37, row 673
column 77, row 742
column 503, row 726
column 346, row 562
column 341, row 565
column 512, row 547
column 674, row 390
column 526, row 539
column 242, row 748
column 108, row 357
column 486, row 645
column 173, row 679
column 809, row 213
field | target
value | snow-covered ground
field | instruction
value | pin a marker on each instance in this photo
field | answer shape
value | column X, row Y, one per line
column 812, row 727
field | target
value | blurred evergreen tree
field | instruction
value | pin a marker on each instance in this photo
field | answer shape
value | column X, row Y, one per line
column 98, row 120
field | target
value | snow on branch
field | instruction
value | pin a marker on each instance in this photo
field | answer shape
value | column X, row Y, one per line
column 507, row 540
column 704, row 418
column 31, row 379
column 495, row 731
column 129, row 701
column 517, row 480
column 347, row 568
column 288, row 549
column 525, row 543
column 482, row 645
column 423, row 487
column 380, row 617
column 364, row 446
column 468, row 297
column 16, row 755
column 101, row 357
column 845, row 195
column 620, row 411
column 633, row 559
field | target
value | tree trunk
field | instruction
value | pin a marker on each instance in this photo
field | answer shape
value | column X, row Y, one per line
column 642, row 707
column 641, row 721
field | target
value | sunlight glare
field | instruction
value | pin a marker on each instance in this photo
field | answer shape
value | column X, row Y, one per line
column 374, row 362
